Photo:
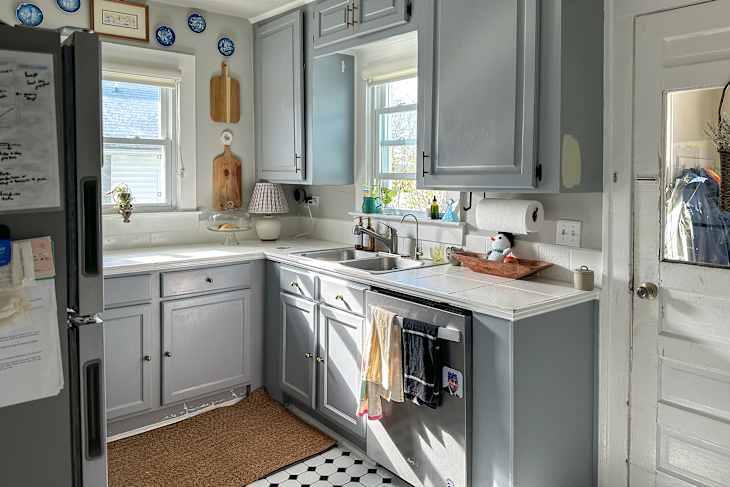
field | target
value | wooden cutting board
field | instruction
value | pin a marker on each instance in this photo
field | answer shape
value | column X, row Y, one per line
column 225, row 97
column 226, row 180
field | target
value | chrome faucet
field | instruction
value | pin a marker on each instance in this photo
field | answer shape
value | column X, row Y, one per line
column 418, row 252
column 391, row 242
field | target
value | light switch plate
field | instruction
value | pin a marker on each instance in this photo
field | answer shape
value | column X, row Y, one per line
column 568, row 233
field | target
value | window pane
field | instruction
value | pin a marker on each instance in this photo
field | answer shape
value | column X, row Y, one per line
column 132, row 110
column 397, row 141
column 141, row 167
column 399, row 126
column 403, row 92
column 407, row 197
column 696, row 227
column 399, row 159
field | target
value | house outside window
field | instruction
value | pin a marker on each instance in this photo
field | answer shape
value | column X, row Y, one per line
column 140, row 132
column 393, row 133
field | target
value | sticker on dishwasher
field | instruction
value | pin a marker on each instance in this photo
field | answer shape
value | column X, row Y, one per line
column 454, row 381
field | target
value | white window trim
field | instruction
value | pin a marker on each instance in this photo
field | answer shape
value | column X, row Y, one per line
column 166, row 66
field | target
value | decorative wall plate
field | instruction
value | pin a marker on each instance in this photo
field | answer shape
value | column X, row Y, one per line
column 29, row 14
column 165, row 35
column 196, row 22
column 69, row 6
column 226, row 46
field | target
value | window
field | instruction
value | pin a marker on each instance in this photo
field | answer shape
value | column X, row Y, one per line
column 393, row 133
column 139, row 119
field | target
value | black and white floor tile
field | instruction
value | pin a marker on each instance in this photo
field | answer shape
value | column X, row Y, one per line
column 336, row 467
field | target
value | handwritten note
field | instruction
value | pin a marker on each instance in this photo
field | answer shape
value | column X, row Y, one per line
column 28, row 132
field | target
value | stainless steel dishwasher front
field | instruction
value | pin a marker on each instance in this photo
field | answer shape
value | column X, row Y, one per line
column 427, row 447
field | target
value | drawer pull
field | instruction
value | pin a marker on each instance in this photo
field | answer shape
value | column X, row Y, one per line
column 209, row 280
column 147, row 358
column 294, row 284
column 168, row 354
column 308, row 355
column 340, row 297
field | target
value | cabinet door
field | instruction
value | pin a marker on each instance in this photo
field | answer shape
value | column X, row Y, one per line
column 332, row 21
column 131, row 366
column 478, row 95
column 205, row 345
column 299, row 330
column 375, row 15
column 339, row 359
column 279, row 93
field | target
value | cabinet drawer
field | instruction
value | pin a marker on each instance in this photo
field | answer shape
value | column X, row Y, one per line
column 298, row 282
column 206, row 279
column 343, row 295
column 127, row 289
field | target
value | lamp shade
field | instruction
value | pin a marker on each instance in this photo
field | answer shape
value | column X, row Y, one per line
column 268, row 199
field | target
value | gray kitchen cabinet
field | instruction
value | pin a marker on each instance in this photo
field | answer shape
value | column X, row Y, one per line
column 339, row 359
column 299, row 347
column 132, row 366
column 510, row 96
column 205, row 343
column 279, row 95
column 338, row 20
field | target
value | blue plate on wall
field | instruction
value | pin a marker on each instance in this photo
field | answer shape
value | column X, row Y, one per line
column 226, row 46
column 69, row 6
column 165, row 35
column 196, row 22
column 29, row 14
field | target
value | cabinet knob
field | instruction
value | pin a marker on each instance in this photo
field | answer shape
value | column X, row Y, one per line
column 308, row 355
column 319, row 360
column 209, row 280
column 168, row 354
column 647, row 290
column 147, row 358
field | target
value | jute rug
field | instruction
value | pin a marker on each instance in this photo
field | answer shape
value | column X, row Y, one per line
column 226, row 447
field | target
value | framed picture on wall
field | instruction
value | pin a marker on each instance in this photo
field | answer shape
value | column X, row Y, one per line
column 118, row 18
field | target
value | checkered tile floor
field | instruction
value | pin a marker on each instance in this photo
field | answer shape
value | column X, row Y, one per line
column 334, row 468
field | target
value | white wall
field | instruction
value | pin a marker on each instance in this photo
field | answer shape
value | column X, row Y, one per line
column 208, row 60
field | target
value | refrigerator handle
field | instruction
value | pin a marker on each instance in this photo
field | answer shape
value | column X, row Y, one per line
column 91, row 228
column 94, row 413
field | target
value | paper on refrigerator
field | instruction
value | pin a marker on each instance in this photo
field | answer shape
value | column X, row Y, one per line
column 30, row 354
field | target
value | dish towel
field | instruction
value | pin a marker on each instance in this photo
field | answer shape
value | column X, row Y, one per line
column 421, row 363
column 382, row 370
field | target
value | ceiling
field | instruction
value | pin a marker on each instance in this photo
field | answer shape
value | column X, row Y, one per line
column 253, row 10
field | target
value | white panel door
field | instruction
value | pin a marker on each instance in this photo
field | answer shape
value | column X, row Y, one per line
column 680, row 373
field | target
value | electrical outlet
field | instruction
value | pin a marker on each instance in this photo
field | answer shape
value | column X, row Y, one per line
column 313, row 201
column 568, row 233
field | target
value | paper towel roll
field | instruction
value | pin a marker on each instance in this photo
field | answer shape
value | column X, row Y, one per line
column 513, row 216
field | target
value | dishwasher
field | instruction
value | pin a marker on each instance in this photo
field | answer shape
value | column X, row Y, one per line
column 427, row 447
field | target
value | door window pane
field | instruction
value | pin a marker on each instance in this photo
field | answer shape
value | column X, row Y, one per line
column 696, row 230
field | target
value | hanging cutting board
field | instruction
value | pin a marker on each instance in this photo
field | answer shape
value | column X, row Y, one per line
column 225, row 97
column 226, row 181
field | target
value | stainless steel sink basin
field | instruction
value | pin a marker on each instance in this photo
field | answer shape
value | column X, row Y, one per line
column 338, row 255
column 384, row 263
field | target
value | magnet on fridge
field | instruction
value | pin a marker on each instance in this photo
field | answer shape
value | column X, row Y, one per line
column 453, row 380
column 6, row 246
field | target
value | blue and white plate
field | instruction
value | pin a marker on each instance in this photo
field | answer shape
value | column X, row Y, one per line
column 29, row 14
column 69, row 6
column 165, row 35
column 196, row 22
column 226, row 46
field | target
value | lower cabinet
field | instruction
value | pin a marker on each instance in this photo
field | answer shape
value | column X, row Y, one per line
column 338, row 362
column 130, row 360
column 204, row 342
column 299, row 335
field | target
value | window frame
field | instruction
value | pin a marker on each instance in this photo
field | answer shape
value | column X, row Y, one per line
column 169, row 120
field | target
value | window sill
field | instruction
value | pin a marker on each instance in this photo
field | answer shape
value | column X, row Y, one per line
column 397, row 218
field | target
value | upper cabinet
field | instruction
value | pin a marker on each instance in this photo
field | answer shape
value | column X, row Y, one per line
column 279, row 93
column 337, row 20
column 510, row 95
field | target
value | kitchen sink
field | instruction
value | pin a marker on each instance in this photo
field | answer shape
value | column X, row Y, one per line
column 337, row 255
column 384, row 263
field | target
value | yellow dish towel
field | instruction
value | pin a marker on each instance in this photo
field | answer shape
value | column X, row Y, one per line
column 382, row 368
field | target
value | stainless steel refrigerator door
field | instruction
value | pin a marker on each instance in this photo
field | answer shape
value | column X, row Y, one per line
column 427, row 447
column 35, row 449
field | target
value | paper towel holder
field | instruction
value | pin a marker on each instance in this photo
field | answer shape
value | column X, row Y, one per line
column 467, row 208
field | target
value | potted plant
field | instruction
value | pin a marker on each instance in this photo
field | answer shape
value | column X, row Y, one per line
column 122, row 198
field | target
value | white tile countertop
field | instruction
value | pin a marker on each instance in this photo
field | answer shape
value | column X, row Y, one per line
column 495, row 296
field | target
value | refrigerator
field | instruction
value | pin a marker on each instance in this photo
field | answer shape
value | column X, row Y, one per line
column 60, row 441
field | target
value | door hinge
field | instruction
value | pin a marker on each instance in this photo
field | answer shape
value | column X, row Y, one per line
column 538, row 172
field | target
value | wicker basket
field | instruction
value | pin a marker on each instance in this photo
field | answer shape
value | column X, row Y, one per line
column 517, row 270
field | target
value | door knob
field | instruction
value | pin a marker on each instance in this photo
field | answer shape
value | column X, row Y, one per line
column 647, row 290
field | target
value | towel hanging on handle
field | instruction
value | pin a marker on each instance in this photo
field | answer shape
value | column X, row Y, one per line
column 422, row 367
